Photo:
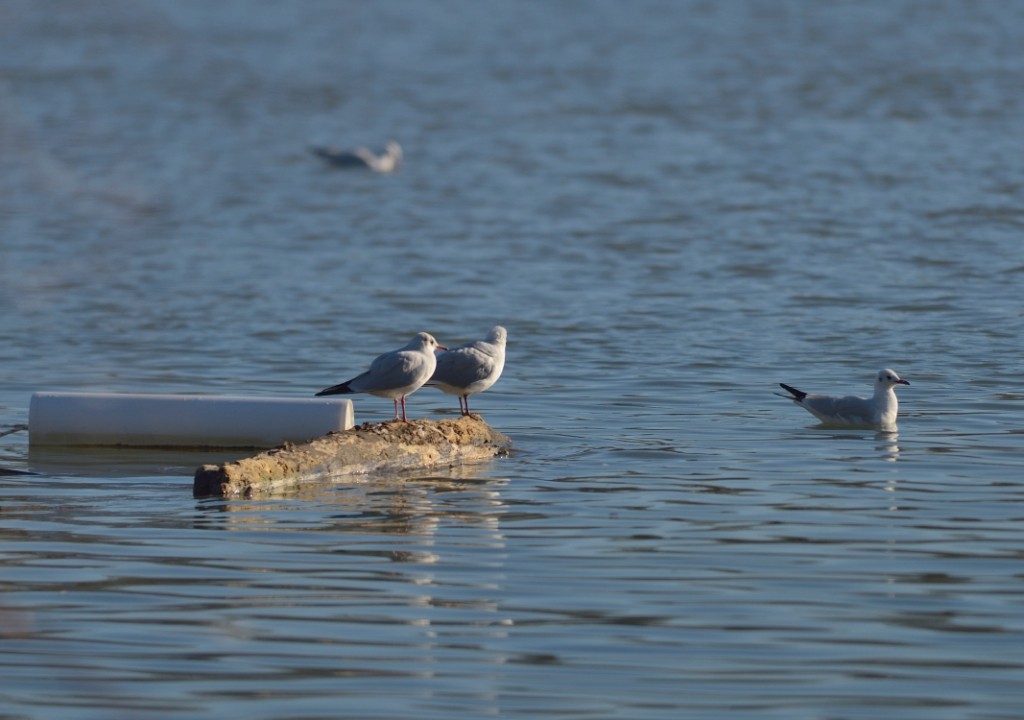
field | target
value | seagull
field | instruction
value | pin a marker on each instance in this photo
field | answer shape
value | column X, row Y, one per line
column 395, row 374
column 471, row 368
column 878, row 411
column 362, row 157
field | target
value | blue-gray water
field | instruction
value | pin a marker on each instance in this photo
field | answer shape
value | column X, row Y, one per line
column 672, row 206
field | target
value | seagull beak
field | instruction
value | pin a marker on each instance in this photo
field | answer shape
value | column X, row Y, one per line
column 442, row 347
column 902, row 382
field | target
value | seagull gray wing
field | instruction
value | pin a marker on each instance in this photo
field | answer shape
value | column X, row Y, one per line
column 389, row 371
column 847, row 410
column 339, row 158
column 464, row 366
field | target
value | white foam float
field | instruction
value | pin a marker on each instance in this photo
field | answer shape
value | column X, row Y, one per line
column 197, row 421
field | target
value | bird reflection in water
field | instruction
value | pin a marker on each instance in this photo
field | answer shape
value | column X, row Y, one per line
column 886, row 444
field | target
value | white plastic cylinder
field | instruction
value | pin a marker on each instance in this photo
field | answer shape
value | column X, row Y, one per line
column 197, row 421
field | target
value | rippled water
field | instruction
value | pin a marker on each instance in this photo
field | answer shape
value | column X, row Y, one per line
column 672, row 207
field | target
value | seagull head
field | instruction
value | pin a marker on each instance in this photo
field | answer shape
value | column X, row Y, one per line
column 888, row 378
column 498, row 335
column 425, row 342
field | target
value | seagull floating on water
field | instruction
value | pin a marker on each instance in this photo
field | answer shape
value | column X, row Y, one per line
column 471, row 368
column 395, row 374
column 363, row 157
column 878, row 411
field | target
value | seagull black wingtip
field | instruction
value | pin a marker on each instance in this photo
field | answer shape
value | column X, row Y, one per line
column 797, row 394
column 342, row 389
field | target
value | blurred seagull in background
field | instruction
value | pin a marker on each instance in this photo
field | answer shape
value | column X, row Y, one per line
column 471, row 368
column 395, row 374
column 878, row 411
column 362, row 157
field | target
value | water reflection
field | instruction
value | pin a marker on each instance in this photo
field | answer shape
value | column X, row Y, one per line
column 14, row 622
column 885, row 443
column 123, row 462
column 385, row 504
column 886, row 446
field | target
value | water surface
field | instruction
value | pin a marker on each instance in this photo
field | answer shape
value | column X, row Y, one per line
column 671, row 206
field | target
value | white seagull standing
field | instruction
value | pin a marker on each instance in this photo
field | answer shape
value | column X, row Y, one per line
column 363, row 157
column 471, row 368
column 395, row 374
column 878, row 411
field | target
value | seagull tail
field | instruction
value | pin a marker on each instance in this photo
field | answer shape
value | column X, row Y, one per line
column 798, row 395
column 342, row 389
